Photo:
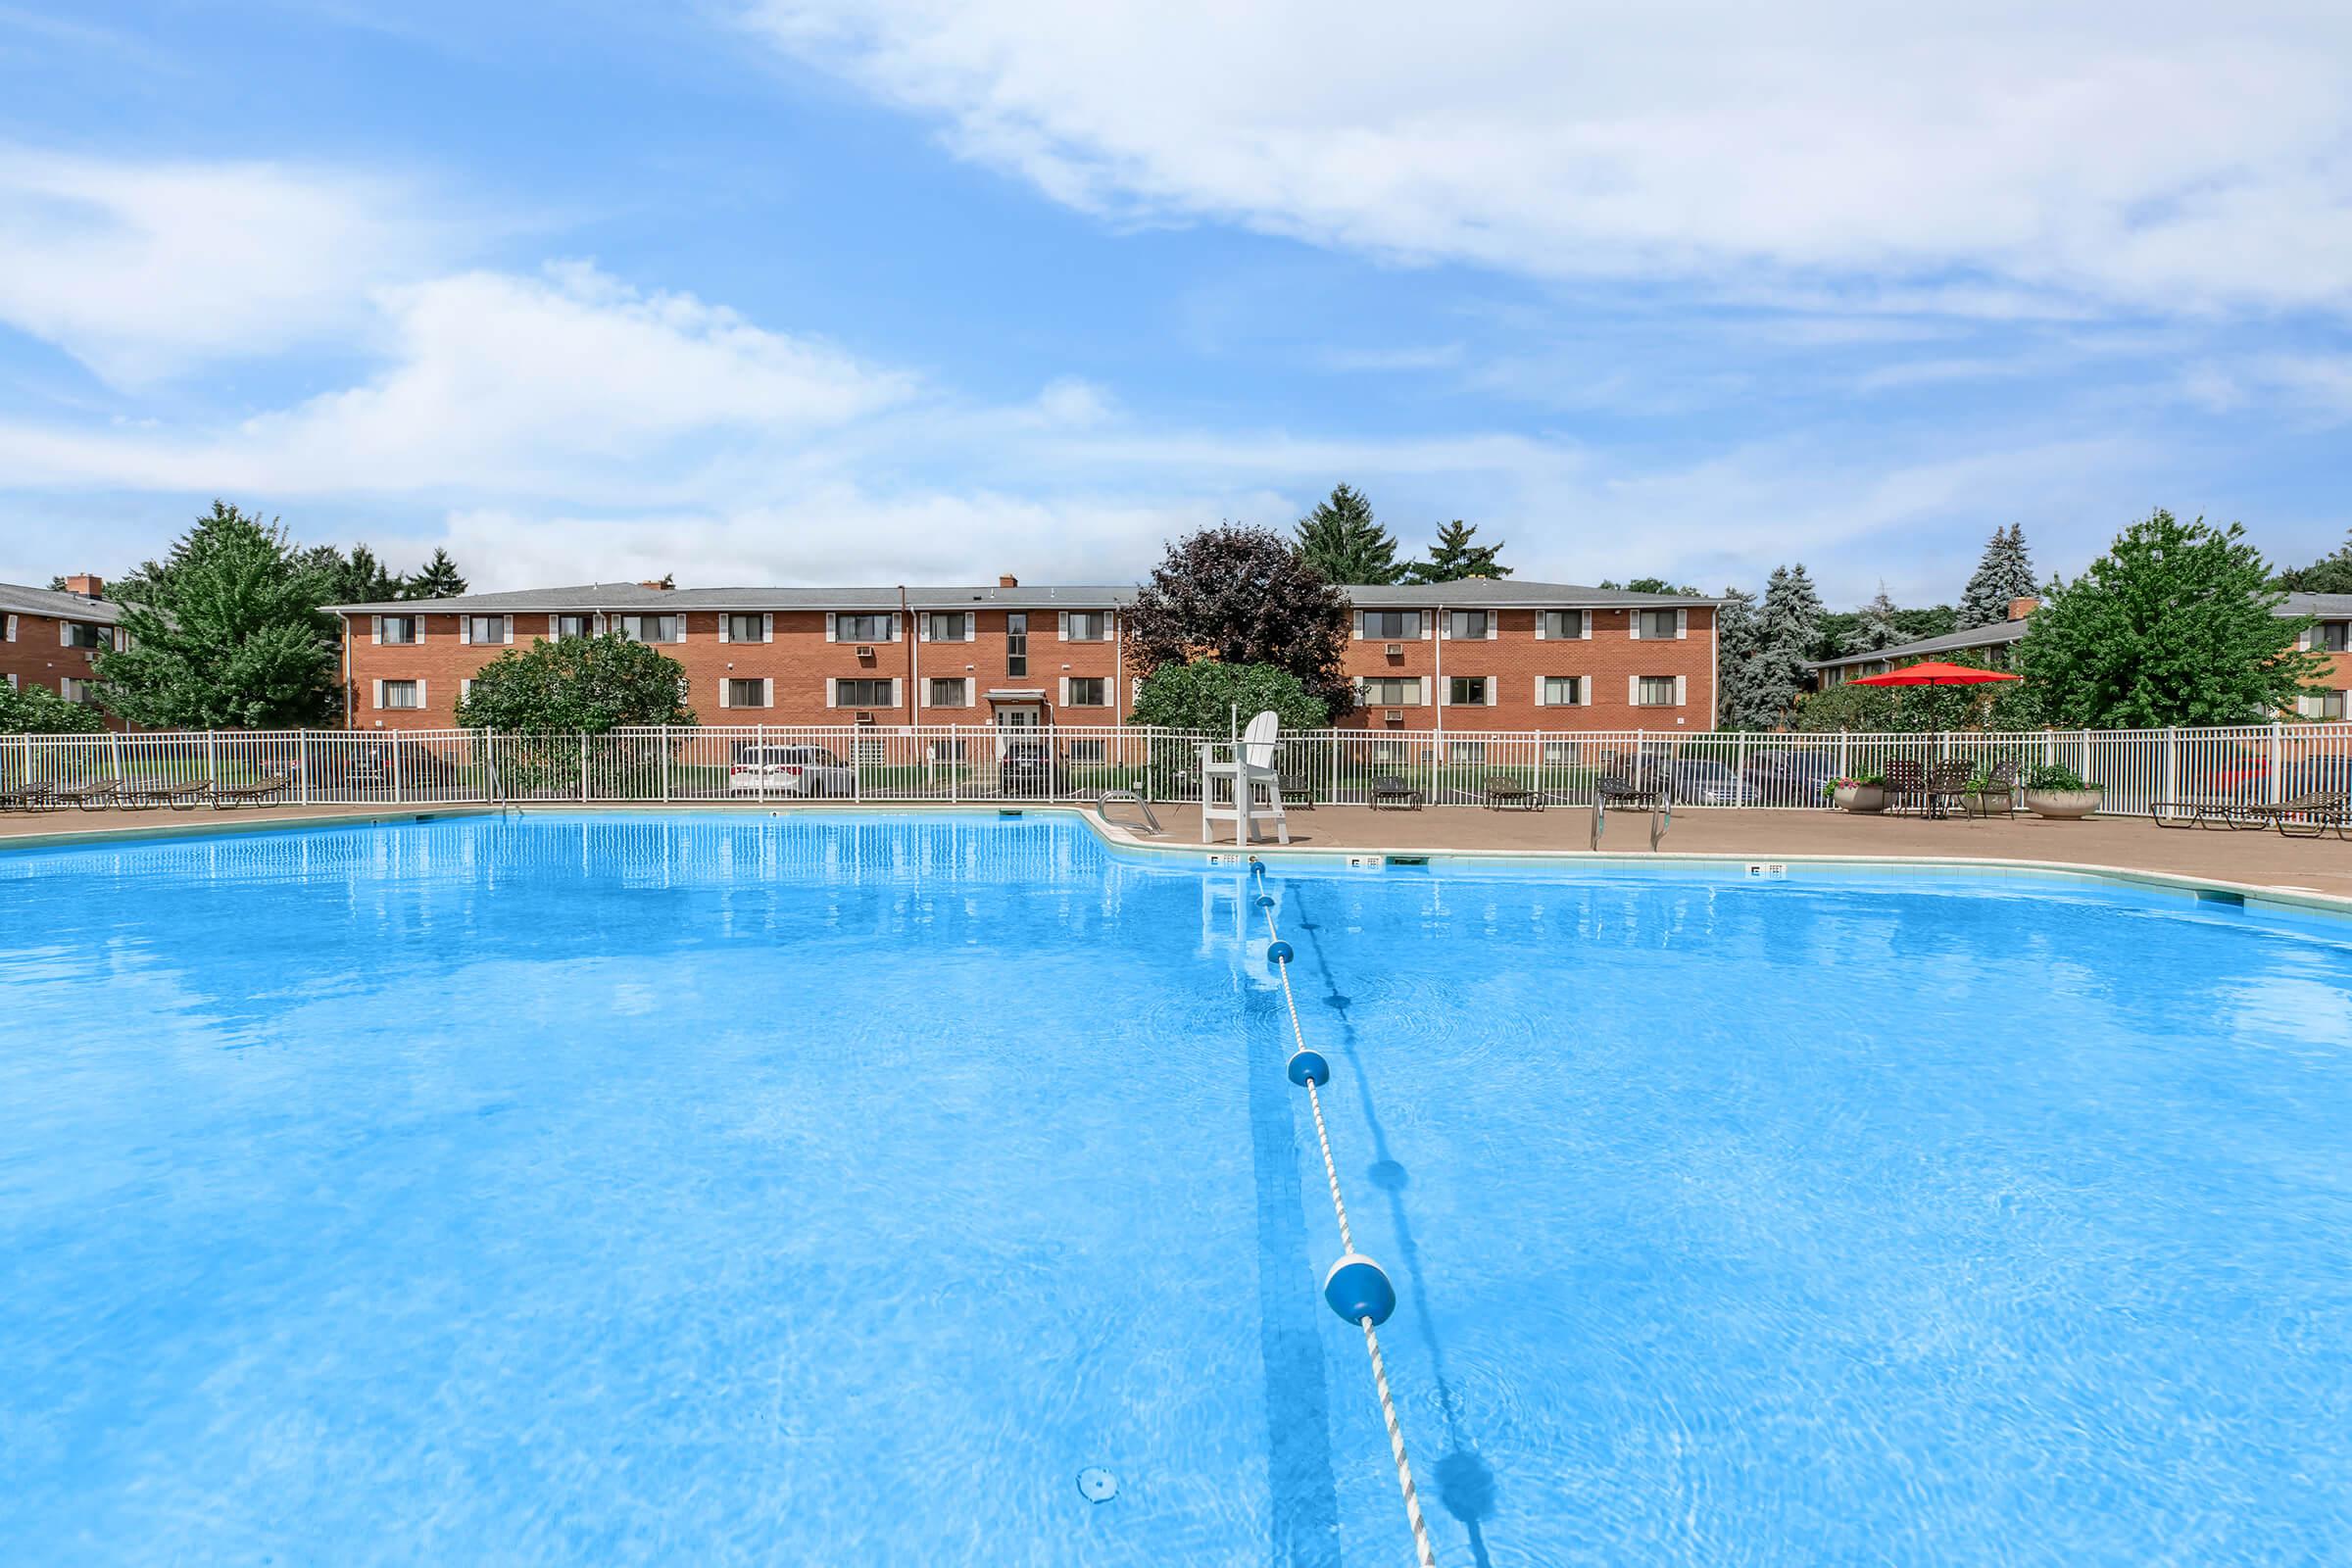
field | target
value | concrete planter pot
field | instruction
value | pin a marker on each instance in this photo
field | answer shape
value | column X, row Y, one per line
column 1860, row 798
column 2063, row 806
column 1985, row 803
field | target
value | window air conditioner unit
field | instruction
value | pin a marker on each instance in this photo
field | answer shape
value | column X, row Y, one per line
column 1395, row 650
column 865, row 718
column 864, row 651
column 1395, row 715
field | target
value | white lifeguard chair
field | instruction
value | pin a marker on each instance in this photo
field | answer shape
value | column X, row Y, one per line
column 1249, row 770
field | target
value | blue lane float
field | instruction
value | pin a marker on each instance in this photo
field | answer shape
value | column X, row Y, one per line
column 1279, row 953
column 1358, row 1289
column 1309, row 1068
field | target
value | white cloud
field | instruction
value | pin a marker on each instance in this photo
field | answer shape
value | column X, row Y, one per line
column 1987, row 158
column 141, row 271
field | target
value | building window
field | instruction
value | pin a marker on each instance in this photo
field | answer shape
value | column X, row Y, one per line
column 1466, row 691
column 1392, row 625
column 1087, row 691
column 1085, row 626
column 751, row 628
column 1654, row 691
column 1563, row 691
column 399, row 630
column 76, row 689
column 864, row 628
column 12, row 680
column 1093, row 751
column 84, row 634
column 1017, row 644
column 2335, row 636
column 1658, row 625
column 1465, row 751
column 1466, row 625
column 486, row 628
column 863, row 693
column 573, row 625
column 948, row 626
column 746, row 693
column 1392, row 691
column 950, row 691
column 649, row 628
column 1563, row 625
column 2320, row 704
column 408, row 694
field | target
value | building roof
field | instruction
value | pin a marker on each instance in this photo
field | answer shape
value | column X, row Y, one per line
column 2325, row 607
column 16, row 599
column 630, row 595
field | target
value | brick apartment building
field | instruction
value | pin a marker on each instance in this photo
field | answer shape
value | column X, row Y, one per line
column 1470, row 656
column 51, row 639
column 2330, row 634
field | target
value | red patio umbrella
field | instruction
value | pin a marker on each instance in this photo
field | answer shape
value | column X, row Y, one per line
column 1933, row 673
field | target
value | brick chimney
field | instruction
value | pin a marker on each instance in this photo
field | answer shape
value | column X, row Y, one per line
column 88, row 584
column 1009, row 581
column 662, row 585
column 2020, row 608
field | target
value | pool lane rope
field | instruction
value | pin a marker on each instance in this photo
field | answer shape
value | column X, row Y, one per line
column 1356, row 1288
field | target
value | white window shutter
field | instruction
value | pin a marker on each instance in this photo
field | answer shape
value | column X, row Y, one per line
column 829, row 682
column 681, row 632
column 466, row 629
column 1427, row 691
column 726, row 689
column 1583, row 624
column 832, row 623
column 1632, row 624
column 1359, row 625
column 1539, row 702
column 767, row 691
column 505, row 629
column 603, row 623
column 1542, row 617
column 726, row 634
column 379, row 693
column 1423, row 621
column 555, row 627
column 1494, row 690
column 1682, row 690
column 65, row 634
column 375, row 628
column 1061, row 630
column 421, row 697
column 922, row 628
column 1493, row 625
column 8, row 629
column 767, row 625
column 465, row 690
column 1633, row 688
column 1681, row 624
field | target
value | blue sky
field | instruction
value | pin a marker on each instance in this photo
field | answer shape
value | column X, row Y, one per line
column 798, row 290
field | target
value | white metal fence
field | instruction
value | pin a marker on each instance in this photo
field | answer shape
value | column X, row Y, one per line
column 959, row 764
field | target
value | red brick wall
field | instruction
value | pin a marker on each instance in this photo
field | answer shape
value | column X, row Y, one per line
column 1515, row 658
column 38, row 658
column 799, row 663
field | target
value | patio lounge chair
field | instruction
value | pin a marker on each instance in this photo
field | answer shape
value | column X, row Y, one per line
column 2000, row 790
column 95, row 797
column 179, row 796
column 1906, row 784
column 2307, row 816
column 2220, row 814
column 227, row 797
column 1505, row 793
column 25, row 798
column 1389, row 789
column 1947, row 782
column 1296, row 791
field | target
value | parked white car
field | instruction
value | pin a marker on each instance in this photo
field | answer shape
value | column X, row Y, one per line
column 789, row 771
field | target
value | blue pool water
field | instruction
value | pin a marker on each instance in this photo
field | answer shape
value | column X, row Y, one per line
column 741, row 1188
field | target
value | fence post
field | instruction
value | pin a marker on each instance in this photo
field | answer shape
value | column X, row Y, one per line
column 666, row 763
column 1844, row 772
column 2171, row 765
column 1740, row 770
column 2276, row 735
column 212, row 759
column 583, row 768
column 399, row 794
column 302, row 764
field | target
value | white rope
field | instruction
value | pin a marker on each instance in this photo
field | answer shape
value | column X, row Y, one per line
column 1428, row 1555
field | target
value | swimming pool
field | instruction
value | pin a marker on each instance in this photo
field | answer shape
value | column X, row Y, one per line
column 814, row 1189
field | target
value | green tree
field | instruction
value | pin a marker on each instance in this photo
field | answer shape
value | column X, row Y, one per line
column 1911, row 709
column 2004, row 574
column 38, row 710
column 595, row 684
column 2172, row 625
column 358, row 579
column 1243, row 596
column 223, row 633
column 1741, row 701
column 1655, row 585
column 438, row 579
column 1454, row 558
column 1346, row 543
column 1788, row 628
column 1205, row 695
column 1875, row 626
column 2332, row 573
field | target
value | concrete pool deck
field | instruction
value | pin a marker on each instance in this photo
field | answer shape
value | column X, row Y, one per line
column 2128, row 843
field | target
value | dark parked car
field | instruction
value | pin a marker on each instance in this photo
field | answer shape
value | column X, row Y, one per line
column 1789, row 777
column 1029, row 770
column 1697, row 781
column 2316, row 775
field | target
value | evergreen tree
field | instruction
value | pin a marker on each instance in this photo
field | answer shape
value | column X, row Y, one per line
column 1876, row 625
column 1341, row 540
column 438, row 579
column 1454, row 558
column 223, row 633
column 358, row 579
column 1740, row 702
column 2005, row 573
column 2172, row 625
column 1788, row 628
column 2329, row 575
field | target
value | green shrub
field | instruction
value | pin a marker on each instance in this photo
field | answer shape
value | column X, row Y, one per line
column 2055, row 777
